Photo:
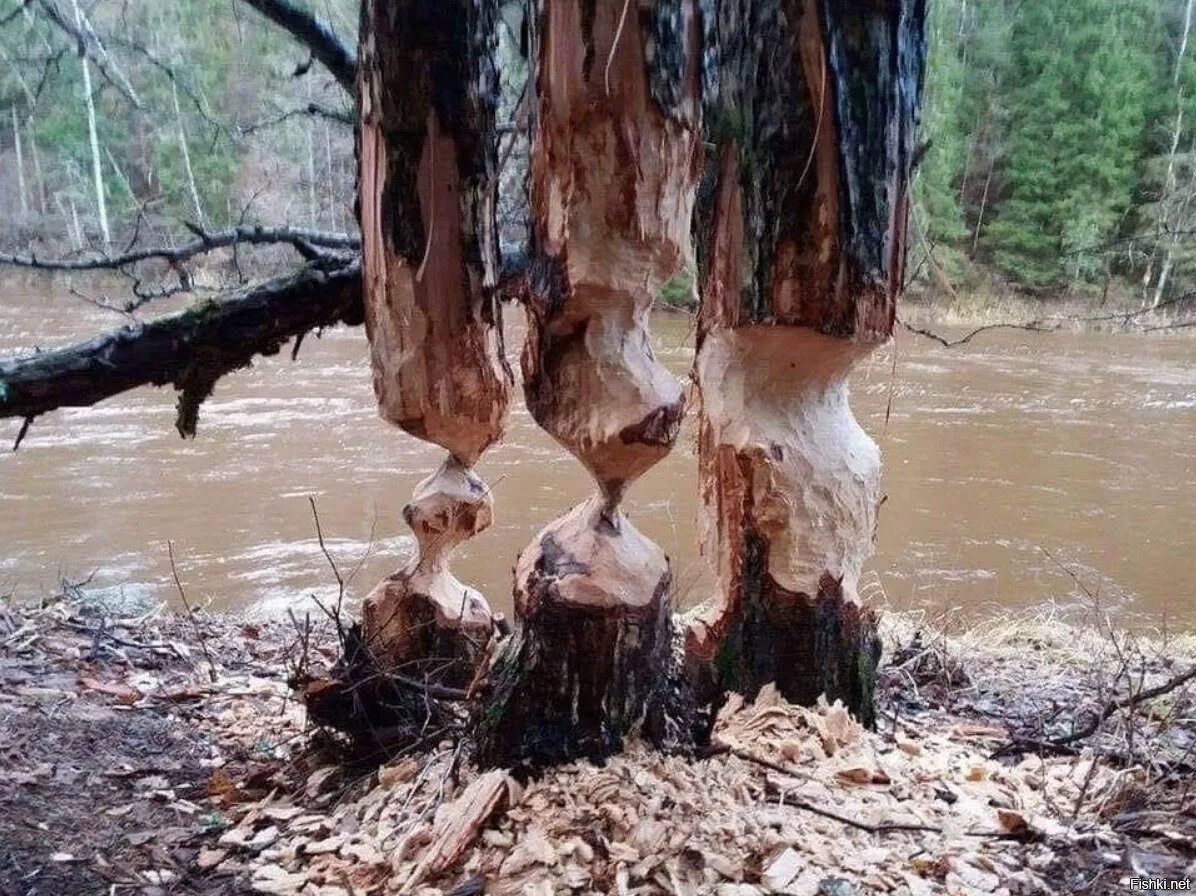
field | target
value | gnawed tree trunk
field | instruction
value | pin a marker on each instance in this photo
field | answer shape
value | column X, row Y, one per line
column 427, row 158
column 803, row 249
column 615, row 160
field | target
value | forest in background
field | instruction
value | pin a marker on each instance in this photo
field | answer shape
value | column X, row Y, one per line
column 1061, row 147
column 204, row 115
column 1059, row 139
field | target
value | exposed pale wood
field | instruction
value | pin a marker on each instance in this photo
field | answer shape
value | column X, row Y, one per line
column 458, row 823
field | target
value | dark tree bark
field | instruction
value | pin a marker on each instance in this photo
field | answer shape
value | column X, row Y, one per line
column 314, row 33
column 427, row 155
column 802, row 244
column 615, row 162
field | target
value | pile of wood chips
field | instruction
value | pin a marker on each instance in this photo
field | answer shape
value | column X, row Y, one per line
column 799, row 801
column 130, row 759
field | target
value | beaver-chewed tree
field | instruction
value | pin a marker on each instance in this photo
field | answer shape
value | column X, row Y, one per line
column 614, row 168
column 802, row 246
column 427, row 159
column 809, row 108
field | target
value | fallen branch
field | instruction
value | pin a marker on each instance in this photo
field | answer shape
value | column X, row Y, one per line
column 1063, row 744
column 724, row 750
column 189, row 350
column 782, row 799
column 882, row 827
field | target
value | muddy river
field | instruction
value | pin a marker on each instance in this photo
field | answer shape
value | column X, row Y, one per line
column 1005, row 460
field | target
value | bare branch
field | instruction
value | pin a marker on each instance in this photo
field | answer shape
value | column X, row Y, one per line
column 1063, row 744
column 203, row 641
column 1034, row 326
column 1054, row 322
column 302, row 239
column 90, row 45
column 313, row 110
column 190, row 349
column 315, row 34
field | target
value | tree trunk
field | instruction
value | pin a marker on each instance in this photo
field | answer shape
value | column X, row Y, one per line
column 803, row 250
column 1171, row 206
column 37, row 166
column 97, row 168
column 615, row 161
column 427, row 159
column 16, row 142
column 78, row 238
column 185, row 150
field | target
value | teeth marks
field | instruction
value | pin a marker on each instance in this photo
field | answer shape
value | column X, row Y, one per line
column 613, row 178
column 428, row 235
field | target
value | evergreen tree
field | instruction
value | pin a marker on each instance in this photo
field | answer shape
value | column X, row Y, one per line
column 1081, row 74
column 936, row 193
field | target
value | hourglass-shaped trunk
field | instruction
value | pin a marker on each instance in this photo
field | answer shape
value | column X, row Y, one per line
column 803, row 249
column 615, row 160
column 427, row 155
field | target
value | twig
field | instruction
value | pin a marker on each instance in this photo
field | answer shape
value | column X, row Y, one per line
column 1063, row 743
column 25, row 424
column 118, row 641
column 203, row 638
column 883, row 827
column 327, row 556
column 439, row 691
column 723, row 749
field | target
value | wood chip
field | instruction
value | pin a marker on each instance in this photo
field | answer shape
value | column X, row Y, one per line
column 458, row 824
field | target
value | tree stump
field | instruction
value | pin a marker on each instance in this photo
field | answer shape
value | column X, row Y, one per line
column 422, row 615
column 615, row 161
column 803, row 250
column 590, row 647
column 427, row 148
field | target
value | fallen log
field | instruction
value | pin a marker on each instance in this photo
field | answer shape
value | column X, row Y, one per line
column 190, row 349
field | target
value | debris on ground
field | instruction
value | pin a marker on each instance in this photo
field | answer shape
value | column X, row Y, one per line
column 125, row 768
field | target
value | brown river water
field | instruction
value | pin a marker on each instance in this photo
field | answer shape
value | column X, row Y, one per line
column 1005, row 460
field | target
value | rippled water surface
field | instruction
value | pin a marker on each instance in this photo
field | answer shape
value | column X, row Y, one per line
column 997, row 454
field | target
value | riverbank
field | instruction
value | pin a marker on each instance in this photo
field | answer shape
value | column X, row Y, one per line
column 985, row 300
column 162, row 754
